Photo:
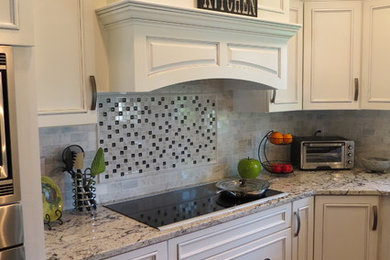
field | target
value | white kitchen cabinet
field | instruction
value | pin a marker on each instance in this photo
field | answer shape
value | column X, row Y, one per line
column 274, row 10
column 16, row 23
column 262, row 235
column 273, row 247
column 291, row 98
column 302, row 229
column 376, row 55
column 153, row 252
column 64, row 55
column 346, row 227
column 332, row 58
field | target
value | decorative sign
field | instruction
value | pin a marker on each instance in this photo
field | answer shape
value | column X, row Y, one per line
column 242, row 7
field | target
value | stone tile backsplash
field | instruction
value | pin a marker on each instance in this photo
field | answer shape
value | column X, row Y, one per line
column 237, row 135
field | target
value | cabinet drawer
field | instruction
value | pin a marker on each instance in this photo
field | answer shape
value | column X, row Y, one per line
column 224, row 237
column 276, row 247
column 153, row 252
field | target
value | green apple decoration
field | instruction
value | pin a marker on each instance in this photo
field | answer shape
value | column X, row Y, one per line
column 249, row 168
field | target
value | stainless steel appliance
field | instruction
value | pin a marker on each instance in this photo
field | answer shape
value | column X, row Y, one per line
column 11, row 224
column 322, row 152
column 174, row 208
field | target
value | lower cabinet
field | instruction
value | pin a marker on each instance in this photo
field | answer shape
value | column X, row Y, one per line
column 264, row 235
column 346, row 227
column 153, row 252
column 302, row 229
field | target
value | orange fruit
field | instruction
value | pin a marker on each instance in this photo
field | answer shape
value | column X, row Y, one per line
column 276, row 138
column 287, row 138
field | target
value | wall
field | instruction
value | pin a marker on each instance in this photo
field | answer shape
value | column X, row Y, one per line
column 238, row 136
column 28, row 151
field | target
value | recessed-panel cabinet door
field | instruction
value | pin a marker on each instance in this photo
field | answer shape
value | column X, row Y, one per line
column 332, row 40
column 302, row 229
column 291, row 98
column 16, row 22
column 346, row 227
column 63, row 65
column 275, row 10
column 376, row 55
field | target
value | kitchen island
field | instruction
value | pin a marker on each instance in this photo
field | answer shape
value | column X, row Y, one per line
column 108, row 233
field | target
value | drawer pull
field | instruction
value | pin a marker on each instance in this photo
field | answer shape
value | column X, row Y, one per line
column 356, row 98
column 94, row 92
column 273, row 98
column 298, row 218
column 375, row 224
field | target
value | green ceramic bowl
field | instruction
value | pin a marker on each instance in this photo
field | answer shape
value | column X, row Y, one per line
column 51, row 199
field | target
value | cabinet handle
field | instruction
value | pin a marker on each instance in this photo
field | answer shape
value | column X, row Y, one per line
column 375, row 224
column 94, row 92
column 273, row 98
column 298, row 218
column 356, row 98
column 267, row 258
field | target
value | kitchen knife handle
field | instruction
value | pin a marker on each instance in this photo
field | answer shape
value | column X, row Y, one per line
column 273, row 98
column 375, row 224
column 356, row 89
column 298, row 218
column 94, row 92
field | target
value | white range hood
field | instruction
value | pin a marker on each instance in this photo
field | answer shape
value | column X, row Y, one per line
column 152, row 46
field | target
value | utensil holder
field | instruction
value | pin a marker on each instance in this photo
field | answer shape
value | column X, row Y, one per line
column 84, row 192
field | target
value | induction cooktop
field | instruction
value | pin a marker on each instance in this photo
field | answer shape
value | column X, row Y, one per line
column 174, row 208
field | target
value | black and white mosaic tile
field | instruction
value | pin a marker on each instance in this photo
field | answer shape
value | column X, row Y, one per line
column 156, row 132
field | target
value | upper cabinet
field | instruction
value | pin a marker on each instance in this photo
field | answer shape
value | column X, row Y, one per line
column 16, row 23
column 332, row 39
column 291, row 98
column 376, row 55
column 275, row 10
column 64, row 55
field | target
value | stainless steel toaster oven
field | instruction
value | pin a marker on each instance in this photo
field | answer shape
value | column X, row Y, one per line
column 322, row 152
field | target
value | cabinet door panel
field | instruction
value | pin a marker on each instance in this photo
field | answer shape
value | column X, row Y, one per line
column 302, row 241
column 332, row 54
column 343, row 228
column 16, row 22
column 60, row 63
column 376, row 55
column 64, row 58
column 291, row 98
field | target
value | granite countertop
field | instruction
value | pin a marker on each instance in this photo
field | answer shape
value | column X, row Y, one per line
column 107, row 233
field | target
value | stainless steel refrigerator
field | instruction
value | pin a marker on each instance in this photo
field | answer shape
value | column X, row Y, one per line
column 11, row 220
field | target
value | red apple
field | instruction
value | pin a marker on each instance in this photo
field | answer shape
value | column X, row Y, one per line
column 276, row 168
column 287, row 168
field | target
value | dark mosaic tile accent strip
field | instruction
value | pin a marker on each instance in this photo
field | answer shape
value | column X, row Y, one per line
column 156, row 132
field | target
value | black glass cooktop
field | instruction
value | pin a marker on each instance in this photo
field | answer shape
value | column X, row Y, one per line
column 171, row 207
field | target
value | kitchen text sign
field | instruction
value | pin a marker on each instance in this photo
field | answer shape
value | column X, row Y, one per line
column 243, row 7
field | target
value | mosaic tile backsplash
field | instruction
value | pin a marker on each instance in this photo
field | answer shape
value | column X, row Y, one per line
column 156, row 132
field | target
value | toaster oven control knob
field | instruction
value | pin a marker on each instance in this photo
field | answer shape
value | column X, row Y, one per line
column 349, row 154
column 349, row 162
column 350, row 147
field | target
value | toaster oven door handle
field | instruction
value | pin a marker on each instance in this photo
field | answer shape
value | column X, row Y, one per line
column 324, row 145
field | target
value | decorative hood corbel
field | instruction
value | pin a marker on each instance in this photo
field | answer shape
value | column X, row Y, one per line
column 151, row 46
